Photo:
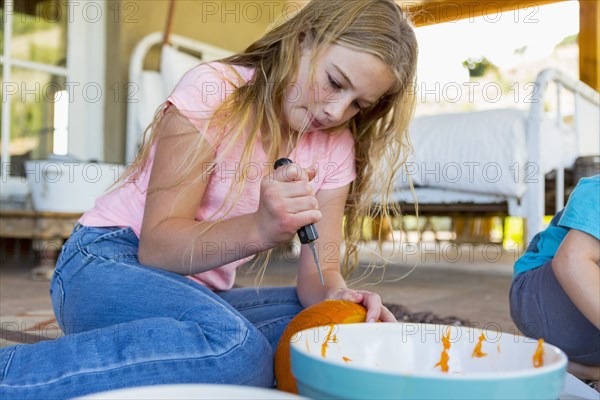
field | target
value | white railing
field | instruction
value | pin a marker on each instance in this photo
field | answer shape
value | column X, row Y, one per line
column 207, row 52
column 534, row 201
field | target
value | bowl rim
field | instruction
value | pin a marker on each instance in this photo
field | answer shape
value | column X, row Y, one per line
column 192, row 390
column 561, row 363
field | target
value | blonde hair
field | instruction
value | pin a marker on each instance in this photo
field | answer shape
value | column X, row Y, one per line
column 377, row 27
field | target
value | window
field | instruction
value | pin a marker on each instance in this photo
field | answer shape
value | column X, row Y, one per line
column 53, row 60
column 34, row 58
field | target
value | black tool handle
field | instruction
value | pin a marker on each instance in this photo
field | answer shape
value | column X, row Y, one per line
column 307, row 233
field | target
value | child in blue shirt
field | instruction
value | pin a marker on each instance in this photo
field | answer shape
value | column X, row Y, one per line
column 555, row 294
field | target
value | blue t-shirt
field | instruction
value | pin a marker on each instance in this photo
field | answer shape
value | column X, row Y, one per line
column 582, row 212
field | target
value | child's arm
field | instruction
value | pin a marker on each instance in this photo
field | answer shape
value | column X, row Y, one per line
column 577, row 269
column 169, row 229
column 310, row 291
column 168, row 226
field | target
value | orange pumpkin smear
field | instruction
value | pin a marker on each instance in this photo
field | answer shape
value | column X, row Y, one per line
column 477, row 351
column 326, row 313
column 327, row 340
column 346, row 359
column 538, row 356
column 443, row 364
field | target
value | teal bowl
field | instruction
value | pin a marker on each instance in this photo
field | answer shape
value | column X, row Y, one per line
column 398, row 361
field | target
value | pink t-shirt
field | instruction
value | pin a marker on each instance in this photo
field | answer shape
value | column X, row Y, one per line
column 198, row 93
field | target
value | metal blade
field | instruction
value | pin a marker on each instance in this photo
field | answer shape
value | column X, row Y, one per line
column 315, row 256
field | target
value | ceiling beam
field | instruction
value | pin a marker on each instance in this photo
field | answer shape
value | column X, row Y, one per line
column 431, row 12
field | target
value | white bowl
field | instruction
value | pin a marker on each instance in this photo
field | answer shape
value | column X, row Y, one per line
column 397, row 360
column 69, row 186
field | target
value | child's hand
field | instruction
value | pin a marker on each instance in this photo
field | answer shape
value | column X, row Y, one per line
column 287, row 203
column 371, row 301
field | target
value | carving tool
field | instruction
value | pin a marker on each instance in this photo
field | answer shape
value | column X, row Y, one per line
column 308, row 234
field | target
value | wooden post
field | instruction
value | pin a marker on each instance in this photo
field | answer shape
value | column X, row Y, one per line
column 169, row 23
column 589, row 42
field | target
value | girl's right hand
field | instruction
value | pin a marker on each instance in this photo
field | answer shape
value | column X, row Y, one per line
column 287, row 203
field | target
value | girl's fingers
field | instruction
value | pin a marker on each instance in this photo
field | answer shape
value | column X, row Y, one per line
column 311, row 172
column 296, row 189
column 293, row 173
column 299, row 204
column 376, row 310
column 372, row 302
column 386, row 315
column 345, row 294
column 303, row 218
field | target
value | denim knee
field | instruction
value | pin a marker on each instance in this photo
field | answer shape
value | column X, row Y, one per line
column 258, row 357
column 246, row 353
column 236, row 344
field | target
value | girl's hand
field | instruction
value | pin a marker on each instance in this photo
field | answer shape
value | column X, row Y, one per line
column 371, row 301
column 287, row 203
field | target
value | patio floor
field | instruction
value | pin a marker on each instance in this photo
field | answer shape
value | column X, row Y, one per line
column 468, row 282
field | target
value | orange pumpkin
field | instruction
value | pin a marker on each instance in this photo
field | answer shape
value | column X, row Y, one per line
column 325, row 313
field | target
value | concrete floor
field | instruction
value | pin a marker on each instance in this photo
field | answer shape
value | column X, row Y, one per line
column 469, row 282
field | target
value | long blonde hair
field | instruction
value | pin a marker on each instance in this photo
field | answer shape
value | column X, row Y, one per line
column 382, row 145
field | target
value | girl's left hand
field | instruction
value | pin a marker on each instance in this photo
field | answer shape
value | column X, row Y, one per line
column 371, row 301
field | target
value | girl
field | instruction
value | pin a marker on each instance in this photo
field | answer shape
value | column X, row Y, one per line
column 143, row 287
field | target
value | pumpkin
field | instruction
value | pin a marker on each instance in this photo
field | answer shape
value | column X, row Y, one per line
column 322, row 314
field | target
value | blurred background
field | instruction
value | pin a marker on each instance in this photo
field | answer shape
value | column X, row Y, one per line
column 67, row 87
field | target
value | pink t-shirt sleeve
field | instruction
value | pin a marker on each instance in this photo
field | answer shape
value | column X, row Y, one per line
column 341, row 169
column 200, row 92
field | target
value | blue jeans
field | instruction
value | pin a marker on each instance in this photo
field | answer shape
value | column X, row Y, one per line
column 130, row 325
